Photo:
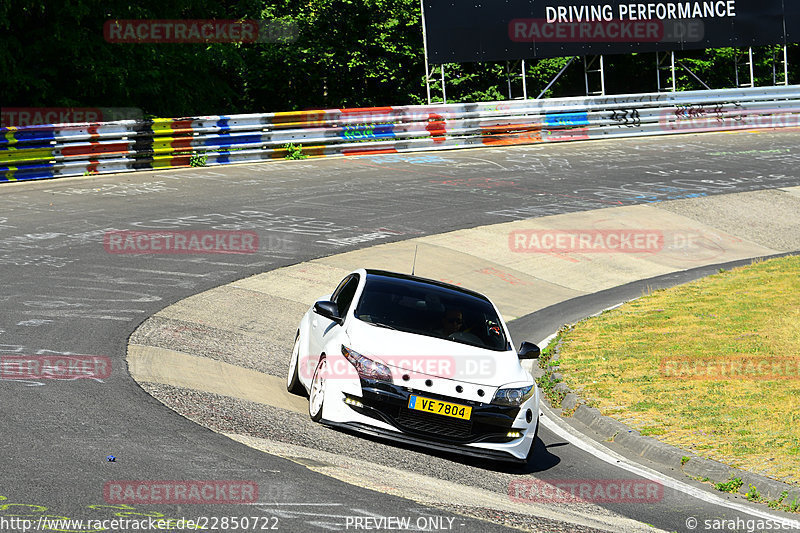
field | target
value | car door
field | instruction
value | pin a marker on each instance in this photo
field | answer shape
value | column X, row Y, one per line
column 323, row 328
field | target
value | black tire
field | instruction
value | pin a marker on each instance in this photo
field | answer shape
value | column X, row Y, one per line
column 317, row 388
column 293, row 384
column 532, row 451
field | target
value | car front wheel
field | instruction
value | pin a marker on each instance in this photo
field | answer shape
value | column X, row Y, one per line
column 316, row 396
column 535, row 437
column 293, row 384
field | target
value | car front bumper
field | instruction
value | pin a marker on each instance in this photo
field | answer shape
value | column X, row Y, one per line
column 382, row 410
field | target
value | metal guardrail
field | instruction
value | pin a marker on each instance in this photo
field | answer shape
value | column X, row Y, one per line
column 60, row 150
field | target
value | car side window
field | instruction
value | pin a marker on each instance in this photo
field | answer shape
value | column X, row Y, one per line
column 343, row 296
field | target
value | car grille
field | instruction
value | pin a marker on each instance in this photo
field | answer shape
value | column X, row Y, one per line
column 434, row 425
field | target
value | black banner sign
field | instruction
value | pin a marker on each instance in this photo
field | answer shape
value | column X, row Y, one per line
column 461, row 31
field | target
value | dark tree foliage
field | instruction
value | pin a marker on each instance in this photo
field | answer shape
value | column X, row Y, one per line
column 348, row 53
column 56, row 55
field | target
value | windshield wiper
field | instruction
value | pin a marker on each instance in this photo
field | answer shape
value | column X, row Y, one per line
column 382, row 325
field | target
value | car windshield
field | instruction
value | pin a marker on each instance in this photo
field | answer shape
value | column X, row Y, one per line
column 427, row 309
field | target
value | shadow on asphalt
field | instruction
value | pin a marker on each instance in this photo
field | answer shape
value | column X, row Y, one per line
column 540, row 459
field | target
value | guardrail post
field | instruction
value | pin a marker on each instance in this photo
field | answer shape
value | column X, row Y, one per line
column 444, row 91
column 659, row 61
column 428, row 84
column 524, row 83
column 601, row 70
column 775, row 61
column 429, row 74
column 672, row 56
column 785, row 66
column 785, row 62
column 425, row 51
column 508, row 81
column 750, row 69
column 602, row 76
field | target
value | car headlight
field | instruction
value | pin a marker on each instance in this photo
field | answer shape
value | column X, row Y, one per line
column 366, row 367
column 513, row 397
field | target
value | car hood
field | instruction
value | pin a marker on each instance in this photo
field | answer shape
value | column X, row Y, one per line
column 420, row 356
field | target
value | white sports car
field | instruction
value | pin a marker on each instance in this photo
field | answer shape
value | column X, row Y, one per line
column 418, row 361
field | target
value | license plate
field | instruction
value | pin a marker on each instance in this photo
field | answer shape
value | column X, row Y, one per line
column 453, row 410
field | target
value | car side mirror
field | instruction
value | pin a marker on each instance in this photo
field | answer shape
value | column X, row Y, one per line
column 528, row 350
column 329, row 310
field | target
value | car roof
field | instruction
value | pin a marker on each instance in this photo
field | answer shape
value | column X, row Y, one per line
column 425, row 281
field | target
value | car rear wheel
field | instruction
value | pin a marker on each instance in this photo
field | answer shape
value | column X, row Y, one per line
column 316, row 395
column 293, row 384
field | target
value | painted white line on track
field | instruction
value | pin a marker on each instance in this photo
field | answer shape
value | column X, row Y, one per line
column 546, row 342
column 150, row 271
column 270, row 504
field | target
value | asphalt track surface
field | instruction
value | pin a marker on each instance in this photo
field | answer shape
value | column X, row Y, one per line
column 64, row 294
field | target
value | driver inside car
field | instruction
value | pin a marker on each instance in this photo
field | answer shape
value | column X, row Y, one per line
column 452, row 322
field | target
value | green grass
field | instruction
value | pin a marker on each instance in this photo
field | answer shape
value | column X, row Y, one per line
column 198, row 160
column 547, row 385
column 732, row 485
column 294, row 151
column 753, row 494
column 618, row 360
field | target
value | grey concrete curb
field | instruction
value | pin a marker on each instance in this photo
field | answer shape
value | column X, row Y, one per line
column 666, row 455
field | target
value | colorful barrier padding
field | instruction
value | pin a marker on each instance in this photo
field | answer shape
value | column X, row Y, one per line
column 61, row 150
